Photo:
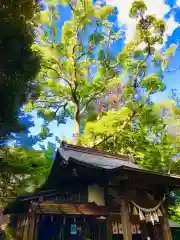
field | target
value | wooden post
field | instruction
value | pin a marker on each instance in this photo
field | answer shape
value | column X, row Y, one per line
column 26, row 228
column 36, row 227
column 19, row 228
column 109, row 228
column 166, row 230
column 31, row 226
column 125, row 219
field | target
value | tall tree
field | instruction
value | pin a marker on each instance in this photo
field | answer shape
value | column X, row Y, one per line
column 19, row 61
column 78, row 68
column 136, row 127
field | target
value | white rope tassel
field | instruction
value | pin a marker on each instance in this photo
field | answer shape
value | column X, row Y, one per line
column 152, row 219
column 148, row 210
column 159, row 213
column 141, row 215
column 155, row 217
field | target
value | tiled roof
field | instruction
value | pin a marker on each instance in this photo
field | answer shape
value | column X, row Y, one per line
column 95, row 158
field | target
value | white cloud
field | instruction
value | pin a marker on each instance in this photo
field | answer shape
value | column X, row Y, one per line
column 171, row 25
column 155, row 7
column 178, row 3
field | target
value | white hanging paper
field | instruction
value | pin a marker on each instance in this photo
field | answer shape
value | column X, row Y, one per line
column 120, row 229
column 133, row 228
column 147, row 217
column 114, row 228
column 141, row 215
column 138, row 229
column 152, row 219
column 155, row 217
column 159, row 213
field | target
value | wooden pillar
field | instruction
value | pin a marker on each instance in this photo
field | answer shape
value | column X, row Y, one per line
column 166, row 230
column 125, row 219
column 36, row 227
column 109, row 228
column 31, row 226
column 26, row 228
column 19, row 228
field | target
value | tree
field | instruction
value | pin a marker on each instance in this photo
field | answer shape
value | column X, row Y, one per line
column 136, row 126
column 22, row 171
column 19, row 61
column 78, row 68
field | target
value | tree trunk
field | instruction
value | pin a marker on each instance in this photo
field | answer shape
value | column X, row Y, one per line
column 76, row 124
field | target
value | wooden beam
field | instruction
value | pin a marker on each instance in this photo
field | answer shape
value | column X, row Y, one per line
column 125, row 219
column 166, row 230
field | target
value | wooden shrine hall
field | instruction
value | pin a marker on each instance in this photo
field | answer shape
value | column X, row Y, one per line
column 94, row 195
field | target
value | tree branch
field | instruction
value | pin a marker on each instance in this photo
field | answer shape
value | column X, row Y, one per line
column 88, row 102
column 63, row 75
column 70, row 5
column 64, row 106
column 90, row 48
column 95, row 95
column 48, row 101
column 112, row 135
column 125, row 123
column 86, row 53
column 139, row 65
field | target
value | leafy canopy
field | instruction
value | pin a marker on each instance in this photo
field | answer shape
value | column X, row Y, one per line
column 22, row 171
column 78, row 66
column 133, row 126
column 19, row 61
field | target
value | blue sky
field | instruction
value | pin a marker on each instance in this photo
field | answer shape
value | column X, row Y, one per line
column 167, row 9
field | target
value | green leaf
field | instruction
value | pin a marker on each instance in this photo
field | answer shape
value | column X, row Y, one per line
column 171, row 50
column 104, row 12
column 95, row 38
column 153, row 83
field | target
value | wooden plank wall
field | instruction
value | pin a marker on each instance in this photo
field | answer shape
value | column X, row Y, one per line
column 26, row 226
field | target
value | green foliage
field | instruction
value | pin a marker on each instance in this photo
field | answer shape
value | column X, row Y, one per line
column 21, row 171
column 137, row 127
column 152, row 83
column 67, row 85
column 19, row 61
column 138, row 9
column 174, row 207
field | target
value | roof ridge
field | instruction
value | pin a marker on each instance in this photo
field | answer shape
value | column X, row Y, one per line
column 97, row 152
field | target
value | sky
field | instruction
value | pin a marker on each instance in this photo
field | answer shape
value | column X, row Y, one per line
column 169, row 10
